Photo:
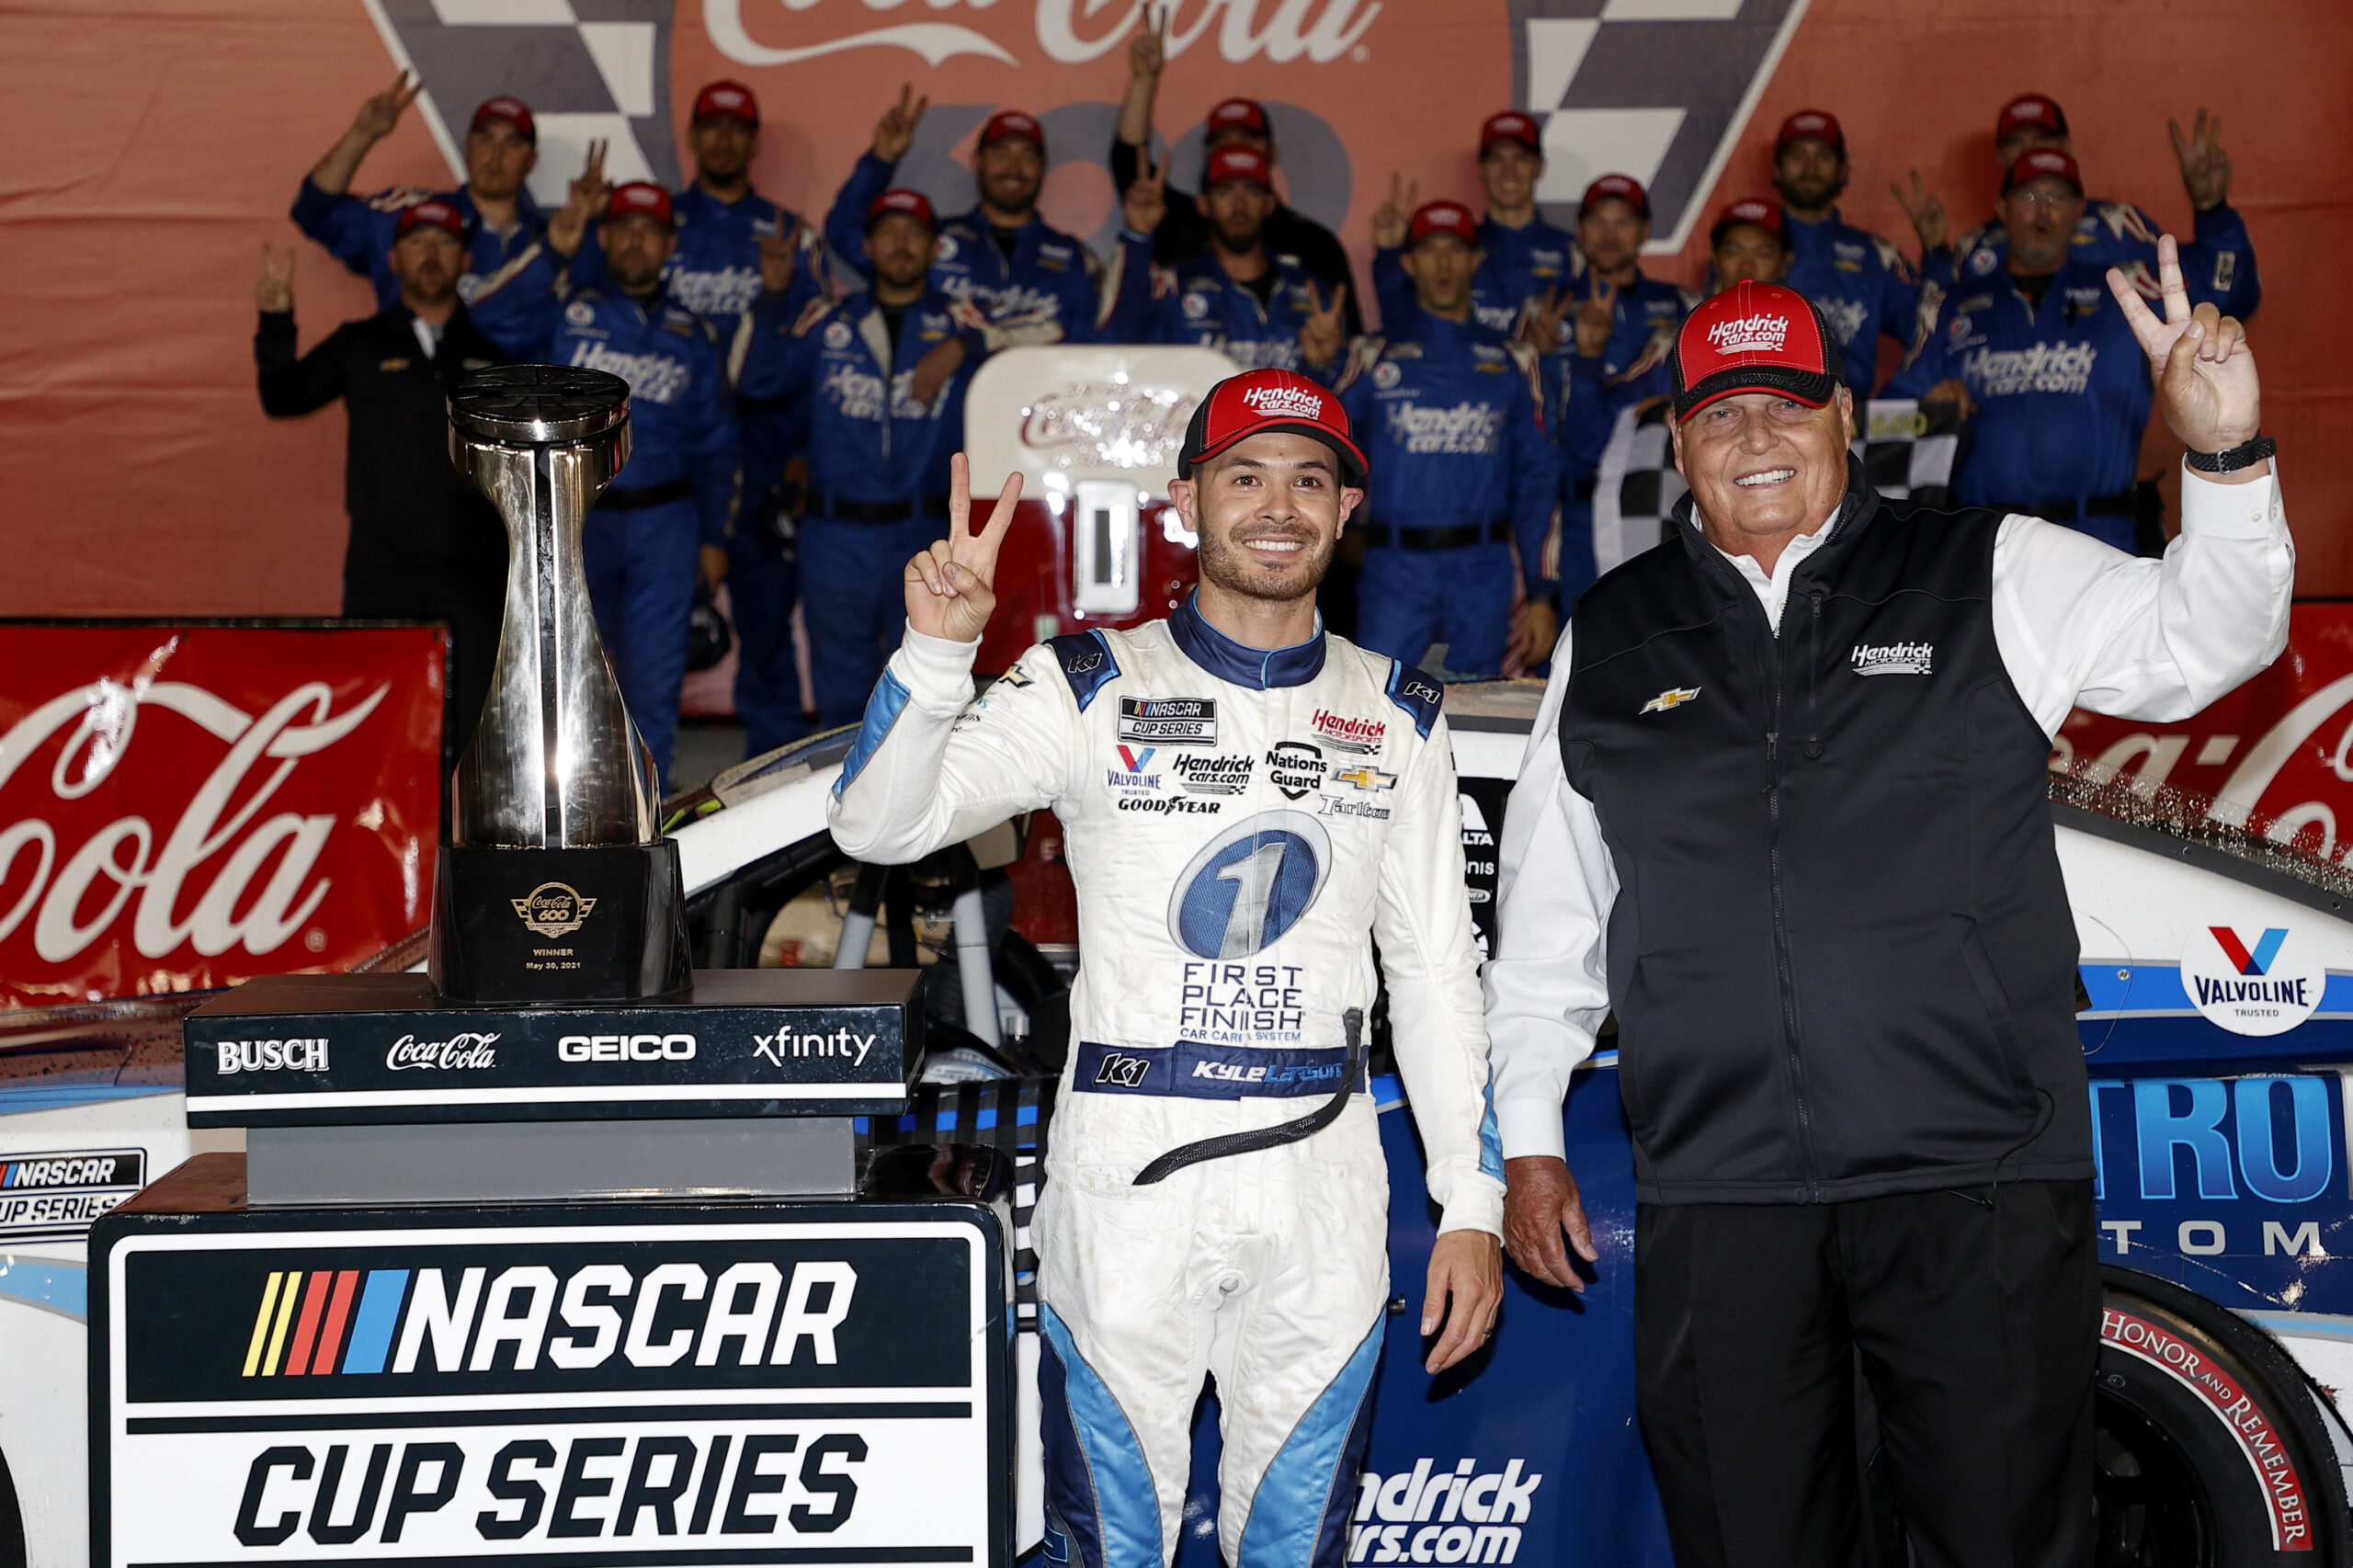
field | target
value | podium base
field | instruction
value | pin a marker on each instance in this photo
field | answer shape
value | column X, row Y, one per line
column 539, row 927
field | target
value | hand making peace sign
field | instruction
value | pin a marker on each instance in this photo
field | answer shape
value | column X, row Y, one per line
column 1146, row 202
column 1323, row 334
column 896, row 132
column 951, row 587
column 2199, row 360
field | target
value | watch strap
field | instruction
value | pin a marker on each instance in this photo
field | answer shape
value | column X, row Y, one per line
column 2246, row 454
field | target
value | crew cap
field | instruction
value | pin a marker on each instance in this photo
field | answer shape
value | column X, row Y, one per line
column 1258, row 403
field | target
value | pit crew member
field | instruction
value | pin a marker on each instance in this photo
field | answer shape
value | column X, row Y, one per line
column 666, row 518
column 1250, row 804
column 1021, row 280
column 2218, row 263
column 1749, row 244
column 2057, row 388
column 1812, row 733
column 1259, row 308
column 879, row 418
column 1181, row 235
column 425, row 545
column 503, row 226
column 1527, row 260
column 1450, row 412
column 1860, row 281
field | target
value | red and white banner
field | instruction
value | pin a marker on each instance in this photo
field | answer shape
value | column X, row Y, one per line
column 185, row 806
column 2275, row 755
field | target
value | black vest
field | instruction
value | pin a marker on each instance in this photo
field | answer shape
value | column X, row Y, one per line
column 1841, row 956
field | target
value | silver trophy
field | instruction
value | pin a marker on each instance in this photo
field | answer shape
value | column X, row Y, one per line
column 556, row 884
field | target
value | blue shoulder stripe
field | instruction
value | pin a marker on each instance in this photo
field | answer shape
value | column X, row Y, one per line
column 1418, row 693
column 881, row 713
column 1087, row 663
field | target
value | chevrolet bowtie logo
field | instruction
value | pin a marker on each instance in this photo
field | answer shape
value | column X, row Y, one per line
column 1367, row 778
column 1673, row 696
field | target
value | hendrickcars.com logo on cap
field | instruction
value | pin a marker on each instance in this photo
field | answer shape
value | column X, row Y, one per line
column 1266, row 401
column 726, row 100
column 1754, row 338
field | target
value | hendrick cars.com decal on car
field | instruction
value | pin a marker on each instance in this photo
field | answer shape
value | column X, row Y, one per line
column 707, row 1385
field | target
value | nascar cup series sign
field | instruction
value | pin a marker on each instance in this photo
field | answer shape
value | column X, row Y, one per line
column 682, row 1386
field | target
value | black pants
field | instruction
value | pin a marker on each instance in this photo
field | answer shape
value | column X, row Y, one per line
column 470, row 595
column 1974, row 1318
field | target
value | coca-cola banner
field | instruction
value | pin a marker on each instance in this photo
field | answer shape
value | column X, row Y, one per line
column 2275, row 756
column 186, row 805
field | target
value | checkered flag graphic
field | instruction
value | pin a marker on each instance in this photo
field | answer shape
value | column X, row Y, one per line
column 589, row 70
column 1909, row 452
column 1007, row 1115
column 1658, row 89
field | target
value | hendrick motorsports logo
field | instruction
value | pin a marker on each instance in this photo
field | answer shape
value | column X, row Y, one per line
column 2265, row 986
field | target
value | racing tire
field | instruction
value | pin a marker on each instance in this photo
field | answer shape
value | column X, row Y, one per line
column 2210, row 1445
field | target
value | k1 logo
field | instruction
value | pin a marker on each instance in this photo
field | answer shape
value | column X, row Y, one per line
column 1250, row 885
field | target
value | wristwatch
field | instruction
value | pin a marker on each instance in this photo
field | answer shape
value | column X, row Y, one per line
column 2246, row 454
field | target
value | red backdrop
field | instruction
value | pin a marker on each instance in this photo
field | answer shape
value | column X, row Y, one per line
column 155, row 144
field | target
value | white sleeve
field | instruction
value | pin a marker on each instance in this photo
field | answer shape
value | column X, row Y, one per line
column 2078, row 622
column 1430, row 954
column 1547, row 985
column 931, row 766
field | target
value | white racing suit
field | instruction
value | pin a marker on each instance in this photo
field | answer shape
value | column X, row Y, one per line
column 1242, row 826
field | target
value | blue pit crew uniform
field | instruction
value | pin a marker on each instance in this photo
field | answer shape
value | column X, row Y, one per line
column 1242, row 826
column 1586, row 395
column 1452, row 424
column 715, row 272
column 2063, row 397
column 1046, row 292
column 1864, row 288
column 675, row 494
column 2217, row 262
column 1517, row 268
column 878, row 470
column 507, row 286
column 1196, row 302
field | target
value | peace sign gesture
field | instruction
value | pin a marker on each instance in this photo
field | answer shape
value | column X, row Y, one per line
column 2205, row 168
column 1926, row 210
column 1597, row 319
column 1394, row 217
column 2199, row 360
column 951, row 587
column 1321, row 335
column 275, row 292
column 896, row 132
column 380, row 112
column 1540, row 322
column 1146, row 200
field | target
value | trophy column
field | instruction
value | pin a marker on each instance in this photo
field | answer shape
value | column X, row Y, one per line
column 554, row 881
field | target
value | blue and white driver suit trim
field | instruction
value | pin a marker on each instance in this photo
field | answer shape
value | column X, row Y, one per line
column 1243, row 826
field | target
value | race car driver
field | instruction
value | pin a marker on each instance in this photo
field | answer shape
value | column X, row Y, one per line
column 503, row 226
column 665, row 520
column 1023, row 280
column 1526, row 260
column 1451, row 412
column 1860, row 281
column 1259, row 308
column 854, row 381
column 2218, row 263
column 1250, row 804
column 2046, row 364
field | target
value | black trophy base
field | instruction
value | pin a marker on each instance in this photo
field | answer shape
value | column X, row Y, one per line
column 557, row 925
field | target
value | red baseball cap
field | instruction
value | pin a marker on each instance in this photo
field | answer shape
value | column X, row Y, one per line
column 1810, row 125
column 727, row 100
column 913, row 203
column 2029, row 110
column 1755, row 337
column 2039, row 163
column 1238, row 114
column 1616, row 187
column 639, row 197
column 1442, row 218
column 434, row 210
column 1765, row 215
column 1256, row 402
column 1012, row 122
column 1237, row 163
column 515, row 111
column 1511, row 126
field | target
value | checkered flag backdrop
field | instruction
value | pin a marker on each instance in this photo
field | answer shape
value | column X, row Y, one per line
column 1908, row 451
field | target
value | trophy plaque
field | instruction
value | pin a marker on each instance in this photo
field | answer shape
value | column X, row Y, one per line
column 555, row 885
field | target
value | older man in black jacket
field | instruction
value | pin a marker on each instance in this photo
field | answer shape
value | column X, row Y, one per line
column 425, row 545
column 1786, row 814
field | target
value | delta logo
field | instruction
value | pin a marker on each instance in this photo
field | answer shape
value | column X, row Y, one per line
column 350, row 1322
column 2266, row 987
column 1750, row 334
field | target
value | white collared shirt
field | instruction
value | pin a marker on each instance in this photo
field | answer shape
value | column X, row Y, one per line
column 2076, row 621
